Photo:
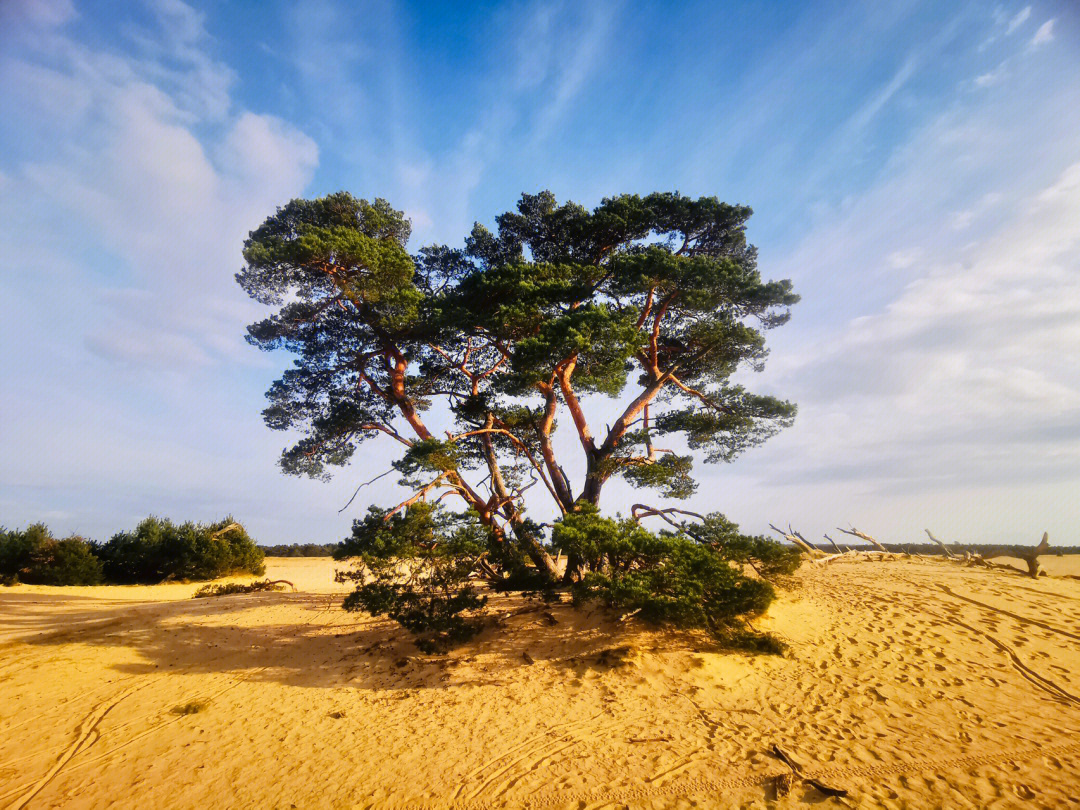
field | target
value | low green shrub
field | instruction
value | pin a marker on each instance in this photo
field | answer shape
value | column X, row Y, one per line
column 226, row 588
column 35, row 557
column 413, row 567
column 675, row 579
column 159, row 550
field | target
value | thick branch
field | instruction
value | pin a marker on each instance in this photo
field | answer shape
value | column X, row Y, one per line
column 558, row 477
column 564, row 372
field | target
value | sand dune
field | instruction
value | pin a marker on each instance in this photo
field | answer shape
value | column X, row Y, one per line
column 909, row 684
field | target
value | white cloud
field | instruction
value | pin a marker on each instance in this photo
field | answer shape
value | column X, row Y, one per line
column 37, row 13
column 903, row 259
column 993, row 77
column 1020, row 18
column 960, row 220
column 123, row 217
column 1044, row 34
column 171, row 206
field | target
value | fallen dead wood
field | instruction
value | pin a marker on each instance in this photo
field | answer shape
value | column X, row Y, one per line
column 863, row 536
column 862, row 554
column 1029, row 554
column 944, row 547
column 838, row 549
column 797, row 771
column 828, row 559
column 796, row 539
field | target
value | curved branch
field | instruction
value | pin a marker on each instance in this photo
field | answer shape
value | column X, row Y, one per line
column 372, row 481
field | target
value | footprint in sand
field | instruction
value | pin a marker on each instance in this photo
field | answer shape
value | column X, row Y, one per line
column 1024, row 792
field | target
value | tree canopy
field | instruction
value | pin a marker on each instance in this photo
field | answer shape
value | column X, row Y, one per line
column 654, row 301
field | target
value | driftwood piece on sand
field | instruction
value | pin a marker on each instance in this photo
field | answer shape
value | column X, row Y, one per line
column 862, row 535
column 796, row 539
column 944, row 547
column 796, row 769
column 1026, row 553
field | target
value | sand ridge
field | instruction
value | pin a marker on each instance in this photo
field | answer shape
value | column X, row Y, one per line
column 909, row 683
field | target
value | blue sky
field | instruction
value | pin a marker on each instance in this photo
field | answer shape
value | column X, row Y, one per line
column 914, row 167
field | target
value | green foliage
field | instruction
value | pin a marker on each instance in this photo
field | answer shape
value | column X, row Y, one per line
column 553, row 282
column 660, row 294
column 667, row 579
column 160, row 550
column 767, row 557
column 35, row 557
column 227, row 588
column 413, row 566
column 429, row 456
column 670, row 475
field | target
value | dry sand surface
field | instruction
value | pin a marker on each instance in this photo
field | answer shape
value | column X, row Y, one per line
column 909, row 684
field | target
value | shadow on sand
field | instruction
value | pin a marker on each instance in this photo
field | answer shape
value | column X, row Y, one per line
column 307, row 640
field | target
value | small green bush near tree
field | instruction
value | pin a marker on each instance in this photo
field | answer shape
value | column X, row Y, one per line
column 35, row 557
column 413, row 566
column 675, row 578
column 159, row 550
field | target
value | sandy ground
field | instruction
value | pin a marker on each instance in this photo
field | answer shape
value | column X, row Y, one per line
column 910, row 684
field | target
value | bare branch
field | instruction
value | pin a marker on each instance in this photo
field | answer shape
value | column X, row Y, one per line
column 795, row 539
column 944, row 547
column 856, row 533
column 372, row 481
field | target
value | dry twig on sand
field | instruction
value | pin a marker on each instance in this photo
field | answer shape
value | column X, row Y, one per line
column 797, row 771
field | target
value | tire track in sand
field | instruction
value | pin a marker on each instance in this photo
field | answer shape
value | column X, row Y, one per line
column 84, row 741
column 533, row 746
column 714, row 786
column 87, row 729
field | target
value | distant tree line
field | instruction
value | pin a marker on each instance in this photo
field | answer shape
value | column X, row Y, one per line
column 155, row 551
column 301, row 550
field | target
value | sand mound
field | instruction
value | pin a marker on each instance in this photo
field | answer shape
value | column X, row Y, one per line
column 909, row 684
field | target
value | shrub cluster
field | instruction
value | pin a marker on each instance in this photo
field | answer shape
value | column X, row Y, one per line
column 414, row 567
column 688, row 579
column 156, row 551
column 159, row 550
column 36, row 557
